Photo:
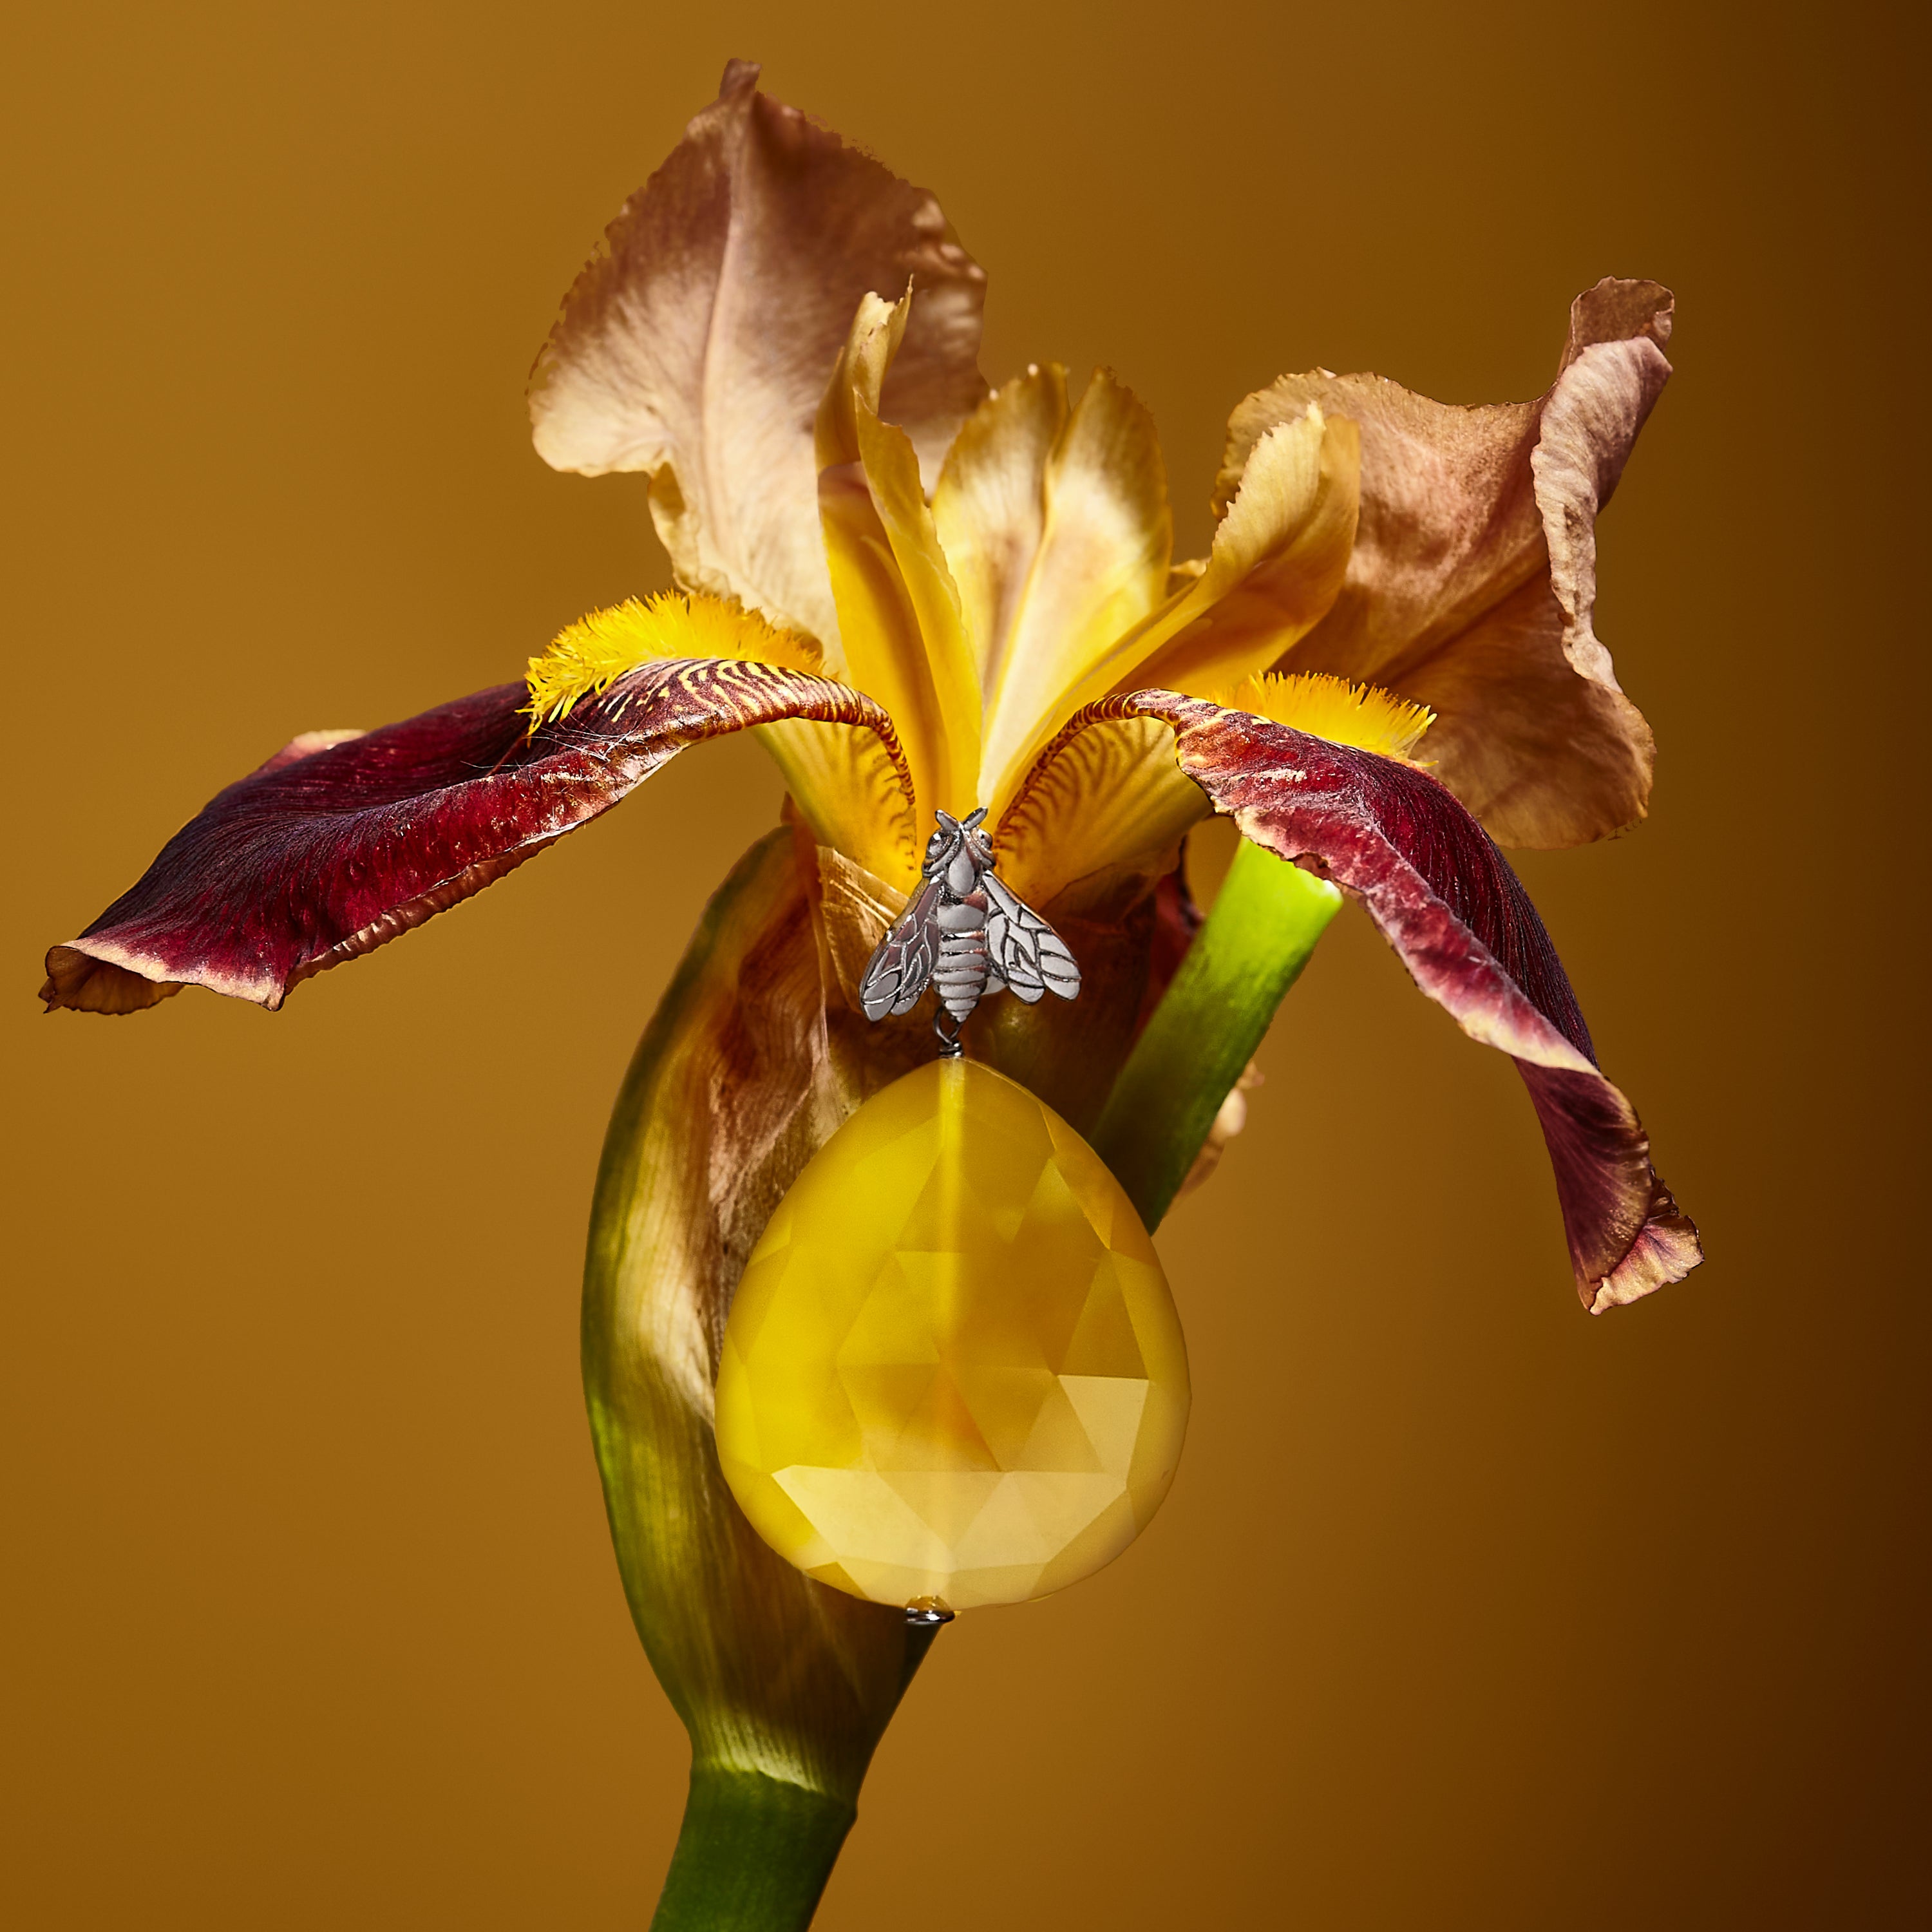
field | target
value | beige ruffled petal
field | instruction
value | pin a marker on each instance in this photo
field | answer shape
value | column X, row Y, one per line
column 1473, row 578
column 697, row 346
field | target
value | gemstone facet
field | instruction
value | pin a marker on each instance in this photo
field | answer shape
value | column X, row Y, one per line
column 953, row 1369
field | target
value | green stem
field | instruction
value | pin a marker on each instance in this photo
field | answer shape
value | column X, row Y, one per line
column 754, row 1854
column 1205, row 1030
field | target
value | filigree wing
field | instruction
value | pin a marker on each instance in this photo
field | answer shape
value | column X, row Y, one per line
column 897, row 973
column 1025, row 951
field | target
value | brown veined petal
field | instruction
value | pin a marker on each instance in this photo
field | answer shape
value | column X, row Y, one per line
column 1445, row 898
column 696, row 346
column 1278, row 560
column 322, row 856
column 1473, row 578
column 898, row 608
column 1056, row 526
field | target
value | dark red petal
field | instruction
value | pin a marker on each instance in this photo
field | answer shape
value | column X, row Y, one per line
column 340, row 842
column 1446, row 899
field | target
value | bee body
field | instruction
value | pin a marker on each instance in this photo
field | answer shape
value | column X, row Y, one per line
column 966, row 934
column 963, row 973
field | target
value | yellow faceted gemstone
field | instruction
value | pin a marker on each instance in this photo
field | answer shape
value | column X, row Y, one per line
column 953, row 1369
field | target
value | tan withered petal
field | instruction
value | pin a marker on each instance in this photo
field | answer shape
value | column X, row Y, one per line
column 1473, row 578
column 1231, row 1120
column 696, row 346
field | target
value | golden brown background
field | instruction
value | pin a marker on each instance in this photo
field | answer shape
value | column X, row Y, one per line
column 1467, row 1611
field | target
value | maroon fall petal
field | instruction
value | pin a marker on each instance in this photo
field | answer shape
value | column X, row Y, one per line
column 1445, row 898
column 342, row 841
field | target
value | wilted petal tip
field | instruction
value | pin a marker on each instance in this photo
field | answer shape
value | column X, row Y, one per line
column 313, row 860
column 1445, row 898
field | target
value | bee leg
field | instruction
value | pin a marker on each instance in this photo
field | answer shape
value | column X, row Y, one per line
column 947, row 1028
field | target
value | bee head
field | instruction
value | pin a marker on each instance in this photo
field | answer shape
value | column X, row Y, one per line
column 954, row 835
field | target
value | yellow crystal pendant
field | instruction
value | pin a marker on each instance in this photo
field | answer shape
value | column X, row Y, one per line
column 953, row 1369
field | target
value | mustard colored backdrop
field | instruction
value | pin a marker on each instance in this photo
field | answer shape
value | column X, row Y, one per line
column 1467, row 1610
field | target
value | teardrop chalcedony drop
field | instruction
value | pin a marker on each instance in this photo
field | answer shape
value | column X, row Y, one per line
column 952, row 1368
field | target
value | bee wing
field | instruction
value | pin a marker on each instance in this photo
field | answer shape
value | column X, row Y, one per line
column 1025, row 951
column 897, row 973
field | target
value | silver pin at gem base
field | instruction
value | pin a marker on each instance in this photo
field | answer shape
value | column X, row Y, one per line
column 966, row 934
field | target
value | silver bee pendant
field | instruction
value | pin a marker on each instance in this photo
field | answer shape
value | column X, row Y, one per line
column 966, row 935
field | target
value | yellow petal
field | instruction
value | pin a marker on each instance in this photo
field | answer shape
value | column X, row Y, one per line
column 899, row 616
column 1113, row 798
column 1059, row 524
column 847, row 788
column 990, row 507
column 1278, row 559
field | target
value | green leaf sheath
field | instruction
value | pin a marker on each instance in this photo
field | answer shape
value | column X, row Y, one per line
column 784, row 1685
column 1251, row 949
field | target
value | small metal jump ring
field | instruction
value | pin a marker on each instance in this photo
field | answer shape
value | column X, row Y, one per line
column 949, row 1048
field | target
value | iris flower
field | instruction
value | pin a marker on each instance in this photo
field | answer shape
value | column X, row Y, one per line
column 924, row 596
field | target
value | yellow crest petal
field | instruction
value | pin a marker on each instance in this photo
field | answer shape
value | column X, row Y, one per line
column 1278, row 562
column 899, row 616
column 1056, row 525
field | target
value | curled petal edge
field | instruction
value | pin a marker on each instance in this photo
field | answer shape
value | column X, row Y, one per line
column 1472, row 583
column 340, row 843
column 695, row 345
column 1442, row 895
